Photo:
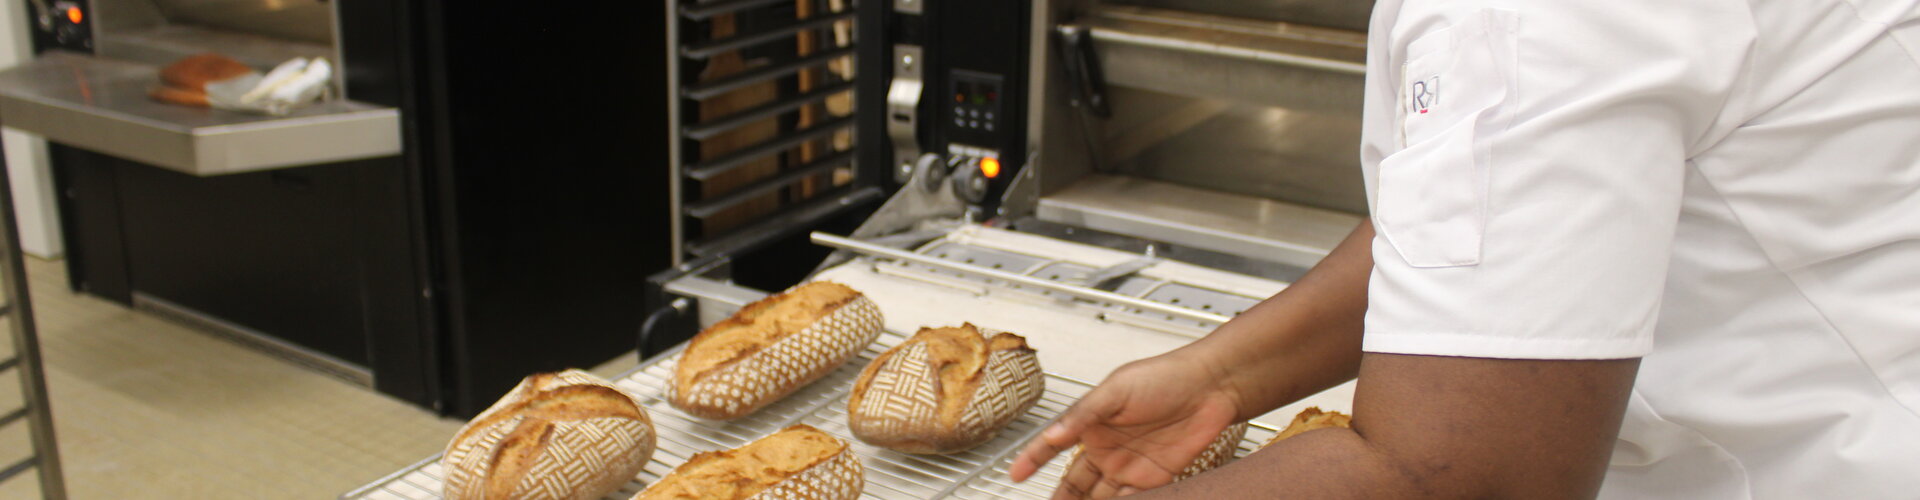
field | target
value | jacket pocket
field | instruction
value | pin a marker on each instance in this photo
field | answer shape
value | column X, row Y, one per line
column 1432, row 194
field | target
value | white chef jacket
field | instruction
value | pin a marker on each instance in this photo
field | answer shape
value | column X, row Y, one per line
column 1729, row 189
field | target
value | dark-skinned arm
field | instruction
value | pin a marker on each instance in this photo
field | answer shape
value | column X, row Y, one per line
column 1302, row 340
column 1446, row 427
column 1313, row 327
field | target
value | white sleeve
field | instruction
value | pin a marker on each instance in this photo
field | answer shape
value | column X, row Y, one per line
column 1524, row 163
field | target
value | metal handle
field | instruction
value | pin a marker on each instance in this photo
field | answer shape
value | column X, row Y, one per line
column 865, row 248
column 655, row 321
column 1084, row 75
column 903, row 109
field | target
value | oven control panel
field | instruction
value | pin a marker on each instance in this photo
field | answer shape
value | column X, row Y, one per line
column 976, row 101
column 978, row 85
column 957, row 94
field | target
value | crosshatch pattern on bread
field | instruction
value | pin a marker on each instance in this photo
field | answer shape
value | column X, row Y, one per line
column 772, row 347
column 1223, row 450
column 945, row 390
column 799, row 462
column 567, row 435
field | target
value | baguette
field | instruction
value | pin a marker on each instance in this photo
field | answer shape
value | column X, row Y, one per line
column 944, row 390
column 799, row 463
column 567, row 435
column 771, row 348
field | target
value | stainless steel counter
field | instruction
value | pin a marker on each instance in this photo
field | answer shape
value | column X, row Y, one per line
column 1222, row 222
column 101, row 105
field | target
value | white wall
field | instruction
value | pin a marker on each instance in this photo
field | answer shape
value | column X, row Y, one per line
column 33, row 196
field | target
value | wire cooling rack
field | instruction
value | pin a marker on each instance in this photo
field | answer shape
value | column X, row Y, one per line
column 977, row 473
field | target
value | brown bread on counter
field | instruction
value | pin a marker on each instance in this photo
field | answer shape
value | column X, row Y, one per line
column 567, row 435
column 944, row 390
column 193, row 72
column 799, row 462
column 771, row 348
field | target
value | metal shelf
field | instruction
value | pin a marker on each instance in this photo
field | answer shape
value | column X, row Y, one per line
column 101, row 104
column 977, row 473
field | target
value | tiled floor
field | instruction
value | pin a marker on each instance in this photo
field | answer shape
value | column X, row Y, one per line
column 147, row 408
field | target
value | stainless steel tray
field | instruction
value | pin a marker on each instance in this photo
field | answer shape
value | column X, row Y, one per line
column 101, row 104
column 977, row 473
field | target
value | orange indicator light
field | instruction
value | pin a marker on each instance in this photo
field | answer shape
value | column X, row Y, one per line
column 73, row 14
column 990, row 167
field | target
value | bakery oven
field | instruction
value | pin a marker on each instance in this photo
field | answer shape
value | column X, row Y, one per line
column 1221, row 133
column 1109, row 178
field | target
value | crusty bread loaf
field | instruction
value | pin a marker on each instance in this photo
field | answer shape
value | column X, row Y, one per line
column 193, row 72
column 772, row 347
column 944, row 390
column 567, row 435
column 1311, row 419
column 799, row 463
column 1223, row 450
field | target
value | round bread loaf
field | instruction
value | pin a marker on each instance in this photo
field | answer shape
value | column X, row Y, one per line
column 944, row 390
column 771, row 348
column 567, row 435
column 797, row 463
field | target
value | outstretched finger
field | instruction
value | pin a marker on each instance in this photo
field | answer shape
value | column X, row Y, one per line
column 1061, row 435
column 1058, row 437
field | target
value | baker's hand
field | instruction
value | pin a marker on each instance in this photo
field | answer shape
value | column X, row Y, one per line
column 1137, row 429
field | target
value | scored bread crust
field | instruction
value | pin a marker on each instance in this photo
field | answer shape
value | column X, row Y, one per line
column 1311, row 419
column 1224, row 449
column 567, row 435
column 836, row 475
column 945, row 390
column 757, row 375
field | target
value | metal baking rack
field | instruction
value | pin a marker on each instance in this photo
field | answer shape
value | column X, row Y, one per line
column 977, row 473
column 1170, row 306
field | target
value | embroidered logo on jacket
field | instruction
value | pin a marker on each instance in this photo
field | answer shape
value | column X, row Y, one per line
column 1425, row 94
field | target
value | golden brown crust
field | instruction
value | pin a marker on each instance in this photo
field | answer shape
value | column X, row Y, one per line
column 958, row 354
column 742, row 472
column 1311, row 419
column 511, row 450
column 955, row 389
column 573, row 402
column 515, row 455
column 757, row 326
column 771, row 348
